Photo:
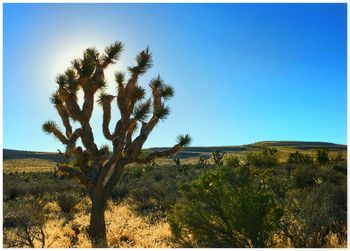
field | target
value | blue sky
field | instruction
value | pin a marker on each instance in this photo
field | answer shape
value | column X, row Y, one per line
column 242, row 72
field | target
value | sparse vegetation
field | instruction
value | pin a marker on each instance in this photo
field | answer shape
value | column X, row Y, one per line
column 232, row 161
column 148, row 208
column 265, row 158
column 299, row 158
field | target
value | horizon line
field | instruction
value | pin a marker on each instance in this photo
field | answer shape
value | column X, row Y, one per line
column 4, row 148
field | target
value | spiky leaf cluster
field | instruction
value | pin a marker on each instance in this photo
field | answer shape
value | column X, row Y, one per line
column 104, row 98
column 112, row 53
column 49, row 126
column 144, row 62
column 184, row 140
column 142, row 110
column 120, row 77
column 156, row 82
column 55, row 98
column 163, row 111
column 166, row 91
column 139, row 93
column 89, row 62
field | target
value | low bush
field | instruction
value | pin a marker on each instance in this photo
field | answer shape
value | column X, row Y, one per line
column 299, row 158
column 226, row 207
column 266, row 158
column 305, row 176
column 232, row 161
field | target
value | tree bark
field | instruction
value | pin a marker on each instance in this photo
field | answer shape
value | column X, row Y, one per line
column 97, row 229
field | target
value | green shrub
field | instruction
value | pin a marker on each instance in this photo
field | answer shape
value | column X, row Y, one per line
column 266, row 158
column 299, row 158
column 136, row 172
column 305, row 176
column 232, row 161
column 226, row 207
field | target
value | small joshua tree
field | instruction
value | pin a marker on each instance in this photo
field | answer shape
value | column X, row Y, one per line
column 299, row 158
column 202, row 162
column 97, row 168
column 218, row 157
column 179, row 166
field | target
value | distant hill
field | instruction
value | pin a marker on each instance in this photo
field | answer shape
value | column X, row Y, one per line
column 18, row 154
column 297, row 145
column 193, row 151
column 300, row 144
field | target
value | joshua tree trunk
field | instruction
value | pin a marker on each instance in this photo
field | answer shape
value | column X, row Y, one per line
column 97, row 229
column 100, row 169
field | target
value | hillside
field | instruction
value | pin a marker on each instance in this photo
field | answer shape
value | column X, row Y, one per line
column 194, row 151
column 9, row 154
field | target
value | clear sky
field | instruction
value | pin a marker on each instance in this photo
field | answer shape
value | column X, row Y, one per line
column 242, row 72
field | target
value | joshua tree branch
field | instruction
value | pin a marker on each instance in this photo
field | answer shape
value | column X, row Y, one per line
column 71, row 103
column 105, row 169
column 60, row 136
column 161, row 154
column 116, row 174
column 72, row 140
column 50, row 127
column 88, row 105
column 105, row 100
column 87, row 137
column 62, row 111
column 135, row 147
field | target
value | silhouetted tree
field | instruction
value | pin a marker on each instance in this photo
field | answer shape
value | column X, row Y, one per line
column 97, row 168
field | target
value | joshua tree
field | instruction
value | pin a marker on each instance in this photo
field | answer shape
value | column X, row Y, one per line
column 97, row 168
column 218, row 157
column 202, row 162
column 179, row 166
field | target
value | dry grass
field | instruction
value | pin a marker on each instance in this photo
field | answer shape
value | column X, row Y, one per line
column 124, row 229
column 28, row 165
